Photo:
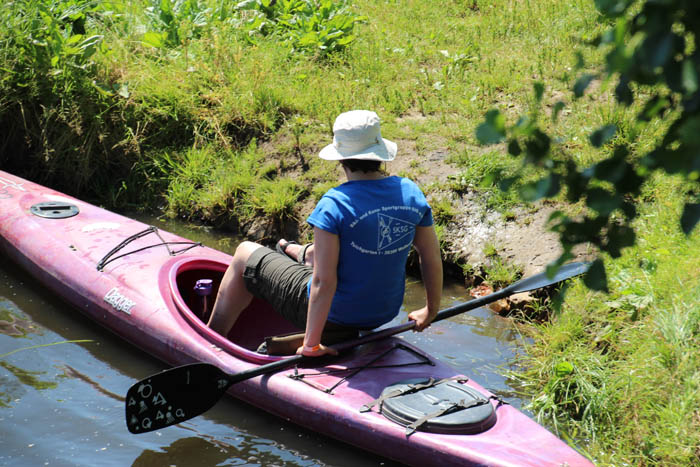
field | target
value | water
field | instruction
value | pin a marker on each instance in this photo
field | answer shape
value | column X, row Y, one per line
column 61, row 403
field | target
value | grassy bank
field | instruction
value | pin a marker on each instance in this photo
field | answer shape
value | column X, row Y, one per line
column 620, row 372
column 208, row 113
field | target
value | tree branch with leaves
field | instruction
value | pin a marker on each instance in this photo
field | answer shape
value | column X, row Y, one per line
column 650, row 44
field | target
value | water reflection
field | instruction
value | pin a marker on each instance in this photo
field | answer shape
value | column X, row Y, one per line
column 12, row 323
column 240, row 450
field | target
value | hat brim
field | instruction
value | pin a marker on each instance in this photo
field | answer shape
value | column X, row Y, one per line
column 383, row 152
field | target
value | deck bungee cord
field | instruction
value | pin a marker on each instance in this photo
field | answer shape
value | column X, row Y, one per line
column 109, row 257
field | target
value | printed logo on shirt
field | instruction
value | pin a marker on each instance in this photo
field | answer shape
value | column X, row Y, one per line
column 390, row 231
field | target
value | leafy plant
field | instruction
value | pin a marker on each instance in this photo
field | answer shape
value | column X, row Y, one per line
column 648, row 43
column 175, row 22
column 498, row 272
column 319, row 27
column 49, row 40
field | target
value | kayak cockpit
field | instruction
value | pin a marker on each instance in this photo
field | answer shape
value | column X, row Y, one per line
column 255, row 323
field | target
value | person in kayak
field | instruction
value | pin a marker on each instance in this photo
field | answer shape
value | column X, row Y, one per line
column 363, row 231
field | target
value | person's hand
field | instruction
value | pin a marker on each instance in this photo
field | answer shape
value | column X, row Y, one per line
column 423, row 317
column 316, row 351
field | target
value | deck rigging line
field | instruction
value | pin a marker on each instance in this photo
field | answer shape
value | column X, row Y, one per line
column 109, row 257
column 424, row 360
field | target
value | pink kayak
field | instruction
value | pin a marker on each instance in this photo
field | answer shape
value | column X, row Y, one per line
column 145, row 285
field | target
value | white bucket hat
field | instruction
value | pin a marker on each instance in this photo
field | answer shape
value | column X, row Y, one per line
column 356, row 135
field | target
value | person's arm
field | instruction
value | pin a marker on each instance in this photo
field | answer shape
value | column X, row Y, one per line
column 428, row 247
column 323, row 285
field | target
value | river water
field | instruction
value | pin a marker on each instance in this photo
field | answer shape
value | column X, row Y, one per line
column 62, row 402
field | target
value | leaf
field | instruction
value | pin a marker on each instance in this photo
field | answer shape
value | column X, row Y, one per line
column 154, row 39
column 563, row 369
column 595, row 278
column 619, row 237
column 505, row 183
column 524, row 126
column 539, row 91
column 556, row 110
column 602, row 201
column 656, row 50
column 493, row 130
column 689, row 77
column 582, row 84
column 614, row 168
column 602, row 135
column 690, row 217
column 689, row 131
column 74, row 39
column 514, row 148
column 612, row 8
column 546, row 187
column 623, row 93
column 538, row 145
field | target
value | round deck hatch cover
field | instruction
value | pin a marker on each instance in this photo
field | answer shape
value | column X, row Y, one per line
column 54, row 210
column 466, row 410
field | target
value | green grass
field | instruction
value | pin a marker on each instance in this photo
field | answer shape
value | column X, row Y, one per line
column 633, row 387
column 193, row 112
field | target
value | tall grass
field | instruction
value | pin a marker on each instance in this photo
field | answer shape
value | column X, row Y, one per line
column 620, row 372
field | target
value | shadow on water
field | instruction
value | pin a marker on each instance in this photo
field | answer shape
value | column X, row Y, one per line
column 61, row 403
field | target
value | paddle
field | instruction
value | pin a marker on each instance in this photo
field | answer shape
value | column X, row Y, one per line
column 184, row 392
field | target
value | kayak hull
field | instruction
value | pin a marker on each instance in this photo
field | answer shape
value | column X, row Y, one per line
column 146, row 298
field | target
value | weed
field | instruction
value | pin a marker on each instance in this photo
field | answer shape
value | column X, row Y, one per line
column 499, row 273
column 275, row 198
column 443, row 210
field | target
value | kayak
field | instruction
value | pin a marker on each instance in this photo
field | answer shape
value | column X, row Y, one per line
column 154, row 289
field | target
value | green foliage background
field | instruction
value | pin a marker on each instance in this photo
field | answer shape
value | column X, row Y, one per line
column 214, row 110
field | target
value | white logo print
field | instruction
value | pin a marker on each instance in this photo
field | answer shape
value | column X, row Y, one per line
column 118, row 301
column 391, row 230
column 7, row 183
column 393, row 234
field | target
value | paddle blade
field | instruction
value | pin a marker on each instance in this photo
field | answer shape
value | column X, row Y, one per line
column 174, row 396
column 541, row 280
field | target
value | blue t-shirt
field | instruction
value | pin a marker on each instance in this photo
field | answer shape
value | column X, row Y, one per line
column 375, row 221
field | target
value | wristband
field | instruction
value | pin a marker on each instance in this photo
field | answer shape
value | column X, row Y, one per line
column 312, row 349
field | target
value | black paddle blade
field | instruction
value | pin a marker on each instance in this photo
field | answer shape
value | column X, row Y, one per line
column 174, row 396
column 541, row 280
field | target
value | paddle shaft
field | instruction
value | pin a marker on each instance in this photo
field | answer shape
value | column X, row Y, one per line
column 537, row 281
column 367, row 338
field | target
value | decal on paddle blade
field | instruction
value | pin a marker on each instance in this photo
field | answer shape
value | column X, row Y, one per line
column 159, row 399
column 145, row 390
column 118, row 301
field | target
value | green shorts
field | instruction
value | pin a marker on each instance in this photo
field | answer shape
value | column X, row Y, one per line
column 282, row 283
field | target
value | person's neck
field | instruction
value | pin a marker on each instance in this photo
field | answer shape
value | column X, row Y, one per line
column 360, row 175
